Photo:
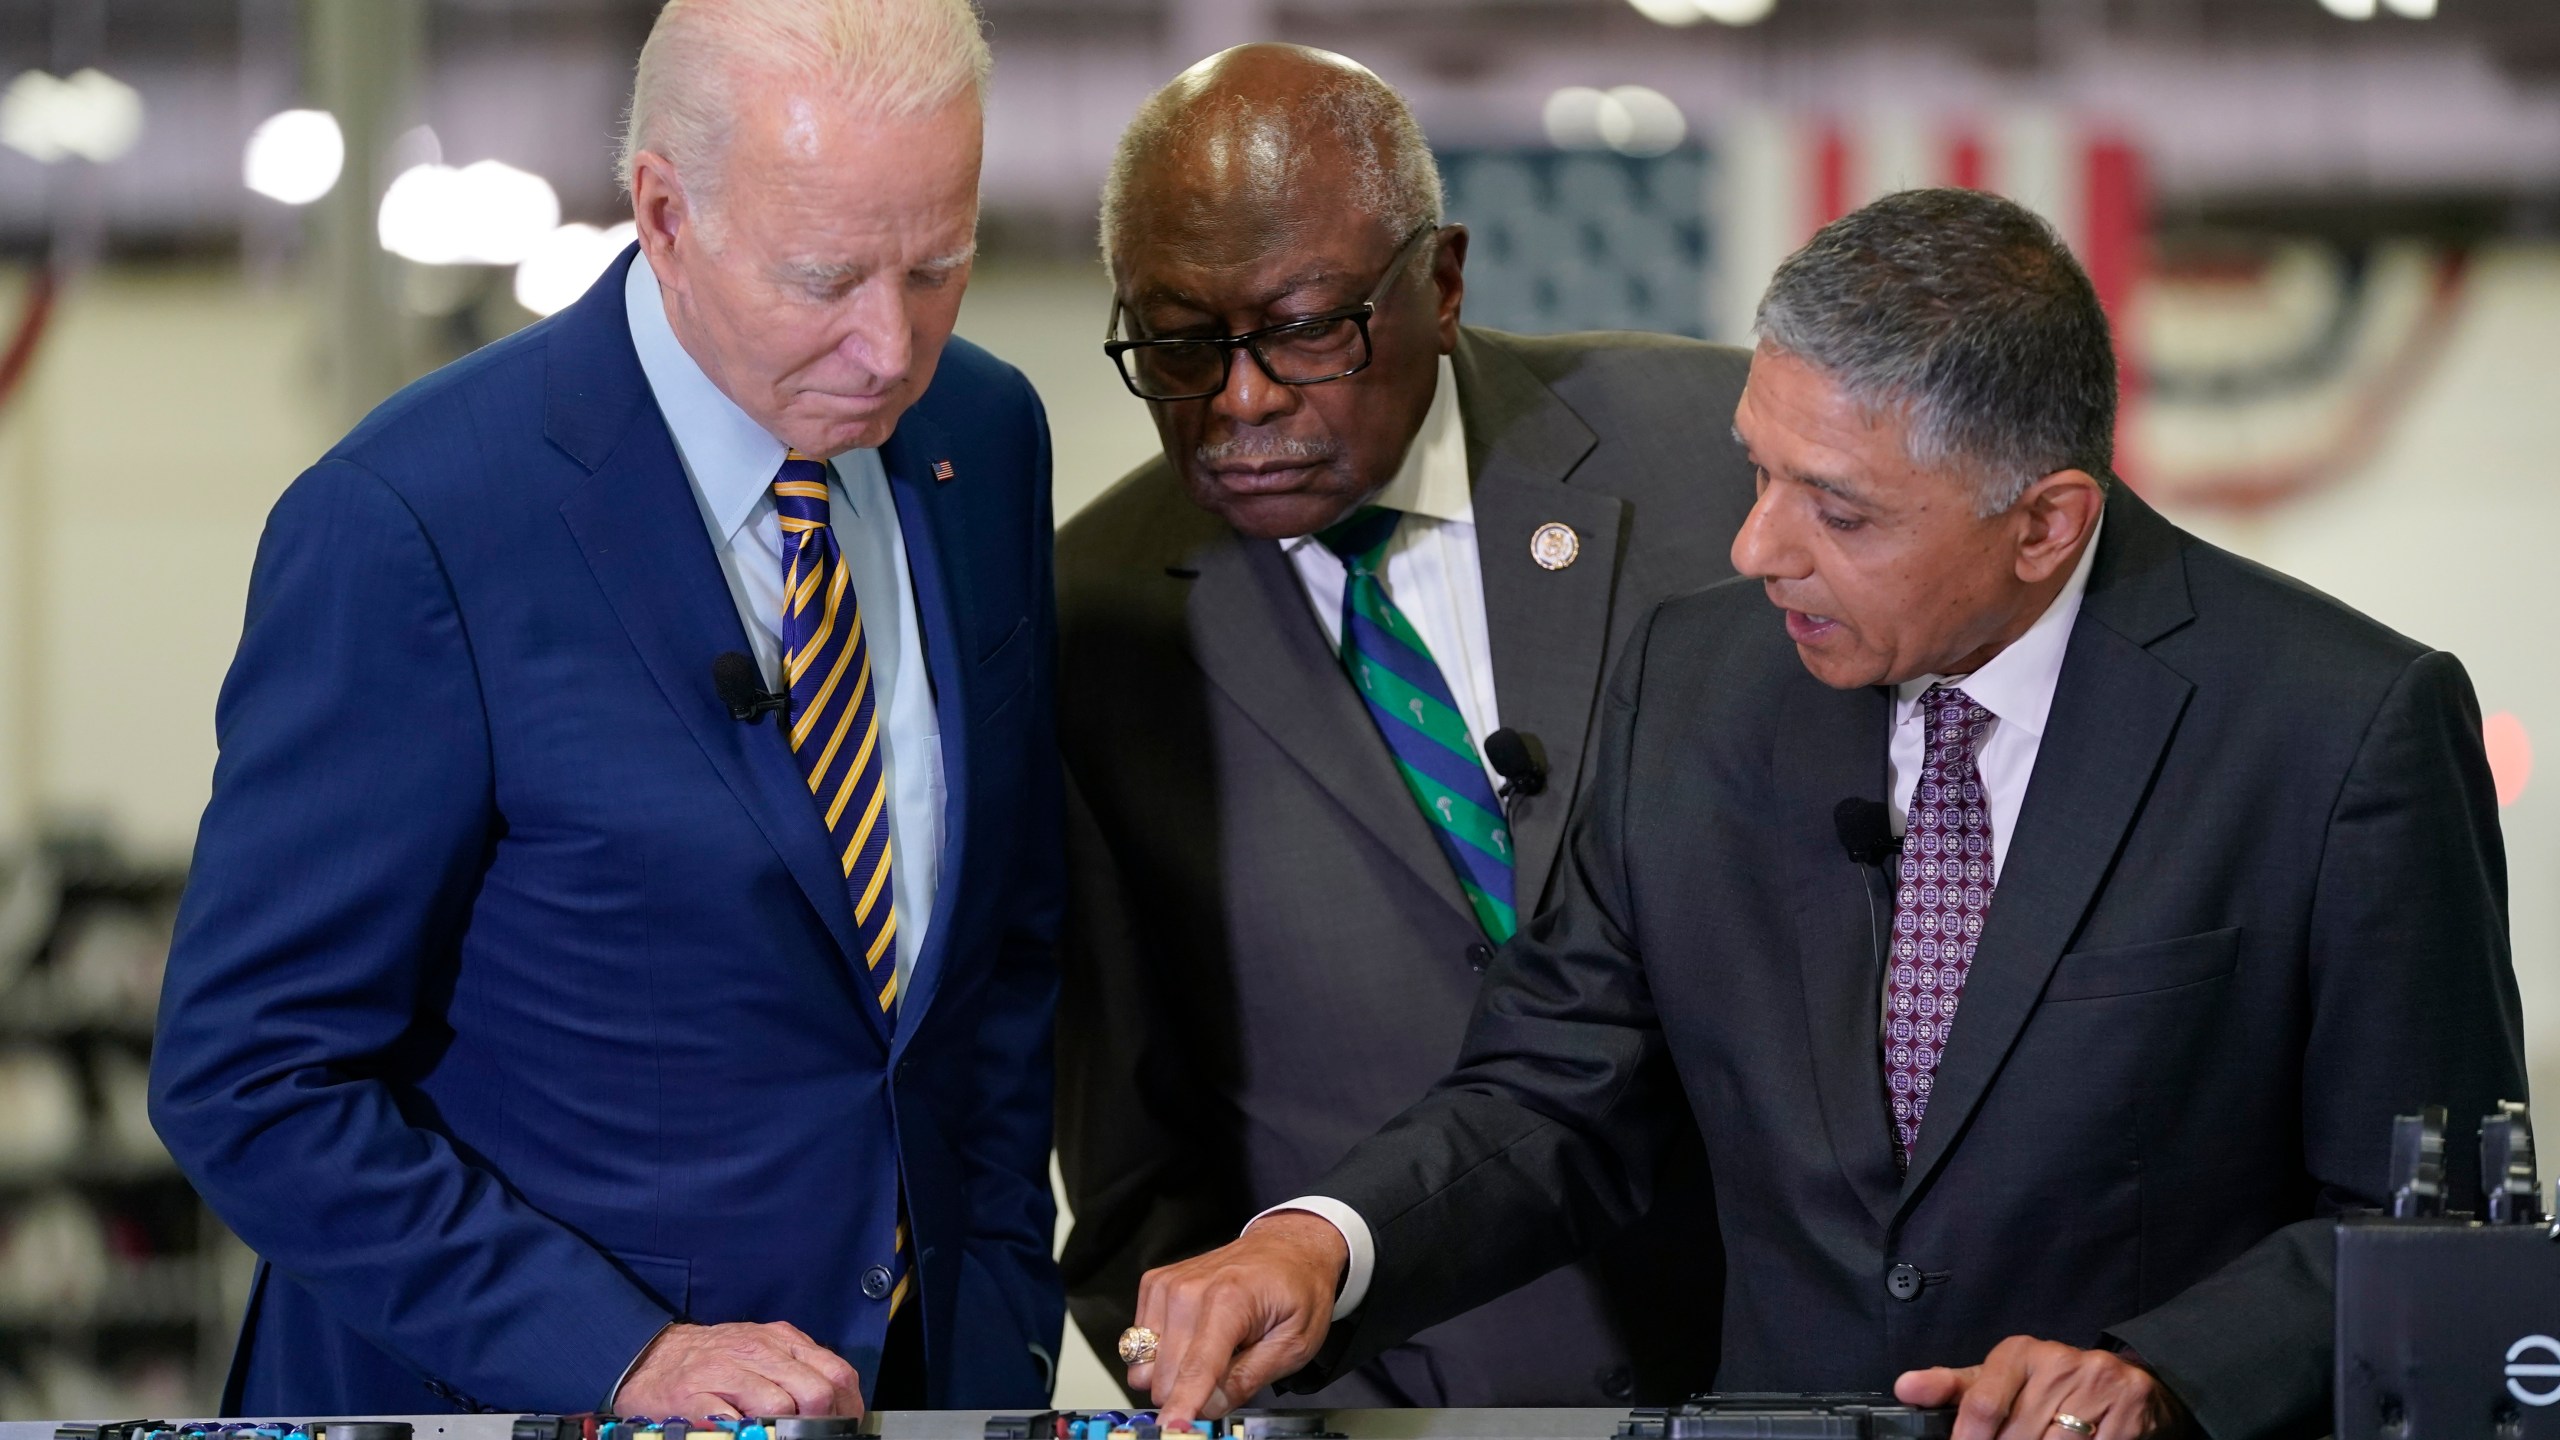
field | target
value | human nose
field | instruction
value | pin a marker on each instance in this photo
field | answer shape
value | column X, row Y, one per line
column 880, row 337
column 1251, row 396
column 1765, row 548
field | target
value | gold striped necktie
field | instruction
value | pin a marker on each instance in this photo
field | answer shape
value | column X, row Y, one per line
column 835, row 714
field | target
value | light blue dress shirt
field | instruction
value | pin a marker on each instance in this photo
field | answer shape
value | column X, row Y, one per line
column 731, row 462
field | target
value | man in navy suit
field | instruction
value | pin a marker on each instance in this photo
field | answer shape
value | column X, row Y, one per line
column 559, row 1039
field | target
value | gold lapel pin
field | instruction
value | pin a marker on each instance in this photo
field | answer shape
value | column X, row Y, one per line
column 1554, row 545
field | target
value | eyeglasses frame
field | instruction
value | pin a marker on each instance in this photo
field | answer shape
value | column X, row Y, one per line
column 1358, row 315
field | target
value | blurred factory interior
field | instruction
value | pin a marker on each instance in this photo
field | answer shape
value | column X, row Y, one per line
column 2328, row 230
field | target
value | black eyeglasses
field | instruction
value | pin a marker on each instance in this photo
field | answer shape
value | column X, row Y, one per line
column 1331, row 346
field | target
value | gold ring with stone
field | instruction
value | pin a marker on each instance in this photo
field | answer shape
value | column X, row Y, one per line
column 1138, row 1345
column 2074, row 1424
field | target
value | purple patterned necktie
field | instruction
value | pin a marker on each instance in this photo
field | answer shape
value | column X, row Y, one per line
column 1938, row 910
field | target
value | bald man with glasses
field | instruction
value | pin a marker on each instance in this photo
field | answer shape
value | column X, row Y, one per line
column 1375, row 540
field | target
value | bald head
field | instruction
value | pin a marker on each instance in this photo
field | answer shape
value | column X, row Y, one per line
column 1254, row 142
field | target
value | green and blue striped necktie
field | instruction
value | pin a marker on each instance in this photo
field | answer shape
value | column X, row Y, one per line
column 1418, row 716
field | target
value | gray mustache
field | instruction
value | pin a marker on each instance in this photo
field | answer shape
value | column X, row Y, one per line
column 1265, row 447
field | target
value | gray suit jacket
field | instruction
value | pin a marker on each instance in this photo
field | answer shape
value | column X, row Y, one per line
column 1269, row 957
column 2255, row 905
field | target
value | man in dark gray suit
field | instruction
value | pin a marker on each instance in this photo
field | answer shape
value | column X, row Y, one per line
column 1286, row 886
column 2052, row 1128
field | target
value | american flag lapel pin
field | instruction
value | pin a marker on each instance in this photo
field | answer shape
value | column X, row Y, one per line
column 941, row 472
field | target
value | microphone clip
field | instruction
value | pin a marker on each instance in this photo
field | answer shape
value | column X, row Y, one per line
column 742, row 690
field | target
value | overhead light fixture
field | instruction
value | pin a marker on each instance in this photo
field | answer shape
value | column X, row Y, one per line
column 91, row 116
column 485, row 213
column 1690, row 12
column 1572, row 117
column 1630, row 119
column 2349, row 9
column 2412, row 9
column 294, row 156
column 1638, row 120
column 565, row 262
column 1669, row 12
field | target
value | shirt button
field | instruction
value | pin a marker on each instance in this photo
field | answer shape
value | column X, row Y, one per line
column 876, row 1282
column 1903, row 1282
column 1479, row 956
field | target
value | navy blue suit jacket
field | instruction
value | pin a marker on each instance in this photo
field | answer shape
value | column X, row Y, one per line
column 513, row 1009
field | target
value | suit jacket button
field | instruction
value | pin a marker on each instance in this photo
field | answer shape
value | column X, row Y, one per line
column 1616, row 1381
column 1903, row 1282
column 876, row 1282
column 1479, row 957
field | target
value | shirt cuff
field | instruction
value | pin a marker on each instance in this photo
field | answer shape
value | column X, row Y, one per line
column 613, row 1396
column 1355, row 1238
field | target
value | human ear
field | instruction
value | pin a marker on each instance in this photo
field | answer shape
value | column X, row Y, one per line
column 659, row 211
column 2055, row 515
column 1449, row 279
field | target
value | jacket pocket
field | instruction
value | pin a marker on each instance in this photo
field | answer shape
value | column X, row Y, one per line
column 2141, row 969
column 669, row 1282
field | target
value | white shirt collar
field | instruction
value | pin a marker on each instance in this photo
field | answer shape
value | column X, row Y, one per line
column 731, row 458
column 2017, row 684
column 1433, row 481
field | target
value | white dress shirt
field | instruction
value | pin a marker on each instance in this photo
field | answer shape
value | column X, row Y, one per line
column 2016, row 686
column 731, row 462
column 1433, row 573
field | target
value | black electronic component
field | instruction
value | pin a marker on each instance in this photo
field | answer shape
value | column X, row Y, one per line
column 1865, row 828
column 1519, row 758
column 741, row 688
column 2508, row 1180
column 109, row 1430
column 2446, row 1325
column 2417, row 1164
column 554, row 1427
column 811, row 1427
column 1043, row 1426
column 1789, row 1417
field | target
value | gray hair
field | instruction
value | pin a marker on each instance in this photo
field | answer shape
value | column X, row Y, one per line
column 1395, row 179
column 896, row 57
column 1966, row 313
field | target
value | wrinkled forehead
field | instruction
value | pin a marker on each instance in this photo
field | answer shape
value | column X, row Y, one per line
column 1217, row 232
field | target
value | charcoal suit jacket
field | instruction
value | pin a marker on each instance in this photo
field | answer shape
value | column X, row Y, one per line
column 1268, row 955
column 2255, row 904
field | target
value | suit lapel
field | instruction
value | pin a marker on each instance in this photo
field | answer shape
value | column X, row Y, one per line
column 1831, row 747
column 636, row 520
column 2115, row 710
column 1549, row 628
column 908, row 458
column 1256, row 640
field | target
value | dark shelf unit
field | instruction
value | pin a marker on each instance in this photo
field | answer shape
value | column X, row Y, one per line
column 118, row 1289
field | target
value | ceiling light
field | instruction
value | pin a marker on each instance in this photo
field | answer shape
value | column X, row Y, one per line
column 2412, row 9
column 486, row 213
column 1637, row 120
column 565, row 262
column 2349, row 9
column 1670, row 12
column 1736, row 12
column 1573, row 118
column 294, row 156
column 91, row 116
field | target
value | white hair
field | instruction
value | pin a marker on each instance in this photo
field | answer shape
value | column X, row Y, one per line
column 1395, row 179
column 898, row 58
